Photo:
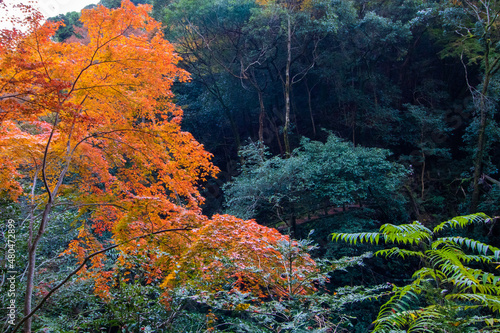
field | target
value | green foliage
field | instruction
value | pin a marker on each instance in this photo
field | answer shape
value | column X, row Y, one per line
column 491, row 202
column 333, row 173
column 134, row 307
column 428, row 122
column 457, row 276
column 117, row 3
column 70, row 20
column 52, row 268
column 471, row 28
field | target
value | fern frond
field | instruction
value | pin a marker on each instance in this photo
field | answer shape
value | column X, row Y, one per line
column 401, row 300
column 470, row 244
column 428, row 320
column 490, row 301
column 428, row 273
column 422, row 320
column 406, row 233
column 489, row 278
column 363, row 237
column 389, row 233
column 462, row 221
column 396, row 251
column 467, row 258
column 446, row 260
column 449, row 261
column 474, row 280
column 489, row 321
column 466, row 282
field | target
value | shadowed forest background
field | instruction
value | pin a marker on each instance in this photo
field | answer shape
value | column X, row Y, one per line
column 253, row 166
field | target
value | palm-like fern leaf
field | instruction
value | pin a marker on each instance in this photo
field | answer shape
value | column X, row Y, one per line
column 490, row 301
column 389, row 233
column 471, row 244
column 396, row 251
column 447, row 279
column 363, row 237
column 401, row 300
column 420, row 320
column 428, row 273
column 406, row 234
column 461, row 221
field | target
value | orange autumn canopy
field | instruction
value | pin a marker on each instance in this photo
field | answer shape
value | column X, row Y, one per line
column 92, row 121
column 100, row 110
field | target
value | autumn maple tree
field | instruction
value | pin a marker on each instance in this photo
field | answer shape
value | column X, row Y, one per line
column 90, row 125
column 93, row 122
column 260, row 260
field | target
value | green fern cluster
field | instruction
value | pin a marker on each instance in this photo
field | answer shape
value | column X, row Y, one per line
column 455, row 290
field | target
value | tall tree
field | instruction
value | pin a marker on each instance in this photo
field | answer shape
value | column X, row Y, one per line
column 209, row 35
column 93, row 122
column 287, row 14
column 476, row 25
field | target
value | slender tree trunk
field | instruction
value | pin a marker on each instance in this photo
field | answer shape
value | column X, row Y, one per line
column 30, row 275
column 414, row 202
column 29, row 287
column 310, row 107
column 422, row 183
column 33, row 241
column 478, row 159
column 234, row 128
column 287, row 87
column 31, row 256
column 262, row 115
column 277, row 133
column 293, row 222
column 491, row 67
